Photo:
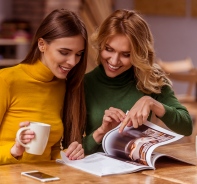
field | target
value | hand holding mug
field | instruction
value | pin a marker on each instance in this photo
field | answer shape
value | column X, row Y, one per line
column 17, row 150
column 34, row 137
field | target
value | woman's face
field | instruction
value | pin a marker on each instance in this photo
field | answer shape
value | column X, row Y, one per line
column 115, row 57
column 62, row 54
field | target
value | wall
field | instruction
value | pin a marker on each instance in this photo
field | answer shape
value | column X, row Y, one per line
column 5, row 9
column 34, row 11
column 175, row 37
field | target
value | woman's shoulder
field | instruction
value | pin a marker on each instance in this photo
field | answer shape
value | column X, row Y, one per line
column 91, row 74
column 9, row 72
column 166, row 91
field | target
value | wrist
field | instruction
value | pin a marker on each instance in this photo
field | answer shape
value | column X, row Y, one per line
column 14, row 152
column 100, row 131
column 98, row 135
column 158, row 108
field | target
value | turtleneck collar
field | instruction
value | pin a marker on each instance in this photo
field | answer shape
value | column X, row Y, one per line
column 38, row 71
column 120, row 80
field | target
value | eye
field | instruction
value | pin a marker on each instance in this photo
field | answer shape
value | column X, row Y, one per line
column 63, row 52
column 79, row 54
column 127, row 55
column 108, row 49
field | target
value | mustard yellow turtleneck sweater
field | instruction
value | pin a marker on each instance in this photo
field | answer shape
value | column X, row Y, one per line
column 30, row 93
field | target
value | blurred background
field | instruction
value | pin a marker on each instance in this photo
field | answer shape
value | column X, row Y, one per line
column 172, row 22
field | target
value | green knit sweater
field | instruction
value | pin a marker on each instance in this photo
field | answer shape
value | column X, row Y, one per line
column 103, row 92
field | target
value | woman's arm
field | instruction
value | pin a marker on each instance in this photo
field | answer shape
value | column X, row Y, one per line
column 166, row 107
column 112, row 118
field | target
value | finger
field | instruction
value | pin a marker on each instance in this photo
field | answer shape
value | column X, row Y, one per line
column 122, row 126
column 78, row 155
column 23, row 124
column 70, row 148
column 127, row 121
column 27, row 134
column 107, row 118
column 27, row 138
column 18, row 145
column 130, row 123
column 73, row 148
column 118, row 111
column 145, row 117
column 140, row 120
column 75, row 151
column 81, row 156
column 114, row 116
column 135, row 122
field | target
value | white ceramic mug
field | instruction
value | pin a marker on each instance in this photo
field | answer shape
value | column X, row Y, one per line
column 38, row 144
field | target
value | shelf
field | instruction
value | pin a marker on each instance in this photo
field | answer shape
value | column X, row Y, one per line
column 9, row 62
column 4, row 41
column 12, row 51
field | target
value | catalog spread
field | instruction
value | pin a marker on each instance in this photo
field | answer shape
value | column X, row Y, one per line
column 126, row 152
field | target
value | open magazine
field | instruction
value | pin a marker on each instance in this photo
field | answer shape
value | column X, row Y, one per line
column 126, row 152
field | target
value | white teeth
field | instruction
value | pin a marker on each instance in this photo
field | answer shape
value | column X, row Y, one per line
column 113, row 67
column 65, row 69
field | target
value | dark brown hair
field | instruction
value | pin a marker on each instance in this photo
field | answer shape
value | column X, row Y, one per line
column 58, row 24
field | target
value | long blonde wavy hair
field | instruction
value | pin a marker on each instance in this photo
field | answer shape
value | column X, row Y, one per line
column 149, row 76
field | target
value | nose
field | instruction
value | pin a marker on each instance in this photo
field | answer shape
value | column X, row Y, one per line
column 114, row 60
column 72, row 60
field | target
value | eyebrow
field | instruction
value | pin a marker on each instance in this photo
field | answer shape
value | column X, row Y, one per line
column 72, row 50
column 113, row 48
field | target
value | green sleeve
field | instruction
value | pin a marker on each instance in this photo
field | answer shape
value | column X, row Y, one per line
column 176, row 116
column 90, row 145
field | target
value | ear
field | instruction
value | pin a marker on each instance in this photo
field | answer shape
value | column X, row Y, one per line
column 41, row 44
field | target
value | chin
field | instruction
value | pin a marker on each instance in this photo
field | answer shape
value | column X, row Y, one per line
column 61, row 77
column 111, row 75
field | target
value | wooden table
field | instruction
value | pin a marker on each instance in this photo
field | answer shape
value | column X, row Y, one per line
column 176, row 171
column 167, row 172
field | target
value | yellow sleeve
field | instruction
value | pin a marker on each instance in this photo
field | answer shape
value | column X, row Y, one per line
column 5, row 155
column 55, row 151
column 5, row 98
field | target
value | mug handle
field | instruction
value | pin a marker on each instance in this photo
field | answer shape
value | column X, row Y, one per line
column 18, row 136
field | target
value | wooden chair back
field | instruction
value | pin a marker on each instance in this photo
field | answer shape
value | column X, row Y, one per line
column 177, row 67
column 184, row 71
column 184, row 65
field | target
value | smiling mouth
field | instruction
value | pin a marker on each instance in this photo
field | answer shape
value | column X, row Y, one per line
column 113, row 67
column 65, row 69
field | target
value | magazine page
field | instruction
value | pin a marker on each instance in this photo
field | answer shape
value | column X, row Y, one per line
column 156, row 155
column 137, row 144
column 101, row 165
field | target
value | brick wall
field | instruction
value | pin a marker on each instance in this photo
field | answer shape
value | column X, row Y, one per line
column 34, row 11
column 73, row 5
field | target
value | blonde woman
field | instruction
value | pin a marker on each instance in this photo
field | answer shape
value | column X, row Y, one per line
column 128, row 79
